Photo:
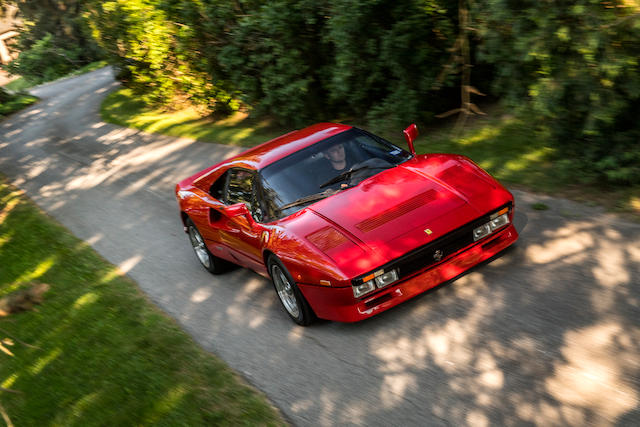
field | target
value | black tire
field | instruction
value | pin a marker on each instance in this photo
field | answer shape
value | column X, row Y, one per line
column 288, row 293
column 210, row 262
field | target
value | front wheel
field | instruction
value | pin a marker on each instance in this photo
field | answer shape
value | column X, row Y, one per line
column 290, row 296
column 212, row 263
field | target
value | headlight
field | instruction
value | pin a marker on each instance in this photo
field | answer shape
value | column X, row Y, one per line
column 488, row 228
column 481, row 231
column 373, row 281
column 364, row 289
column 499, row 222
column 386, row 278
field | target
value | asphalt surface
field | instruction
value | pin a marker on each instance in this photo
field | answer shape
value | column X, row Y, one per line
column 546, row 334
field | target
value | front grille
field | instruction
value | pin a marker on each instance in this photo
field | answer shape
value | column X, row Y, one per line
column 448, row 244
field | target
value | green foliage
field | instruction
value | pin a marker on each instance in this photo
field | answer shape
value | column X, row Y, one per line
column 576, row 68
column 277, row 59
column 138, row 37
column 53, row 40
column 572, row 66
column 45, row 61
column 10, row 103
column 157, row 47
column 388, row 56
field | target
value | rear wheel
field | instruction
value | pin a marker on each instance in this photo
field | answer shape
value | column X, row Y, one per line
column 290, row 296
column 212, row 263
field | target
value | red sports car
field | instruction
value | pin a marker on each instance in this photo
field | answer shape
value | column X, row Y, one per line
column 345, row 223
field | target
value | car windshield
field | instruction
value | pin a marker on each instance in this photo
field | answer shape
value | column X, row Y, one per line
column 324, row 169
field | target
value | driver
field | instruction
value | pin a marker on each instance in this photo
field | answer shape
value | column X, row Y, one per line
column 339, row 163
column 337, row 156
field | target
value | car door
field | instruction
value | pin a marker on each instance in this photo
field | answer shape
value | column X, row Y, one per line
column 241, row 233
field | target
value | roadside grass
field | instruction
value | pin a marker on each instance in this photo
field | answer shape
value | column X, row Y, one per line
column 18, row 85
column 515, row 151
column 96, row 351
column 15, row 103
column 21, row 83
column 122, row 108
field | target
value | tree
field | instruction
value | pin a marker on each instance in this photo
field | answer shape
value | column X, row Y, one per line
column 576, row 64
column 54, row 39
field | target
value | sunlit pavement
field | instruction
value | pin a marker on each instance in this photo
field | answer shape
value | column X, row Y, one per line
column 546, row 334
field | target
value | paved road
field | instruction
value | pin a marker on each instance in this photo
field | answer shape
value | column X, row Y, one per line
column 547, row 334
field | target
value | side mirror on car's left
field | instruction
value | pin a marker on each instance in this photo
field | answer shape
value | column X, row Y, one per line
column 239, row 209
column 410, row 134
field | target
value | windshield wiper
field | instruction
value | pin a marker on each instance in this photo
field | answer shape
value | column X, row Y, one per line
column 310, row 198
column 346, row 174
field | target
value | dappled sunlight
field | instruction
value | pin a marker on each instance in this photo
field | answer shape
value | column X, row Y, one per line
column 201, row 294
column 295, row 335
column 9, row 205
column 568, row 244
column 6, row 238
column 494, row 344
column 589, row 378
column 527, row 159
column 129, row 264
column 247, row 308
column 44, row 361
column 167, row 403
column 610, row 255
column 94, row 239
column 394, row 387
column 13, row 133
column 10, row 381
column 123, row 268
column 487, row 132
column 82, row 404
column 85, row 300
column 35, row 273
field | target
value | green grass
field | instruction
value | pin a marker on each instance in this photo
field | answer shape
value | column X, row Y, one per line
column 21, row 83
column 89, row 67
column 96, row 351
column 18, row 85
column 539, row 206
column 508, row 148
column 123, row 108
column 16, row 103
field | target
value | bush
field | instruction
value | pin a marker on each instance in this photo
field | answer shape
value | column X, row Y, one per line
column 577, row 69
column 53, row 40
column 44, row 61
column 157, row 47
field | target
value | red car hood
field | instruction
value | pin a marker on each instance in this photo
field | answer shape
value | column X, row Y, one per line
column 410, row 205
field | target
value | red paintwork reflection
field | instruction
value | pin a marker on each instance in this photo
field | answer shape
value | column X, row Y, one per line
column 355, row 231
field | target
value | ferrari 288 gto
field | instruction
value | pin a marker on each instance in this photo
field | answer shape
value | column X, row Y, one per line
column 345, row 223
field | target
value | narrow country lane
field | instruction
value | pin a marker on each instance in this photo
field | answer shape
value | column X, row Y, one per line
column 546, row 334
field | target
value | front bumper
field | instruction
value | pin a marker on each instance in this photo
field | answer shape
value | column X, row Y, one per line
column 340, row 305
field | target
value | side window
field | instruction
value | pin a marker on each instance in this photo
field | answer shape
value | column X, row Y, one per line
column 240, row 187
column 217, row 188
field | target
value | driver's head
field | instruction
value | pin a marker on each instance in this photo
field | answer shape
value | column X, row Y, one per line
column 337, row 156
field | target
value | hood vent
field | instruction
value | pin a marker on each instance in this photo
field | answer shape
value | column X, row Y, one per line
column 403, row 208
column 327, row 238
